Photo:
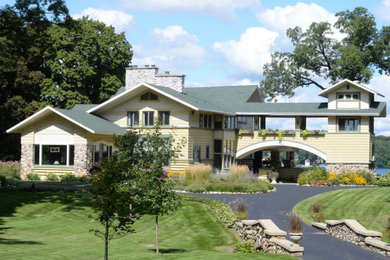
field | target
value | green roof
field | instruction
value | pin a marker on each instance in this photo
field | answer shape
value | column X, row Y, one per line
column 95, row 123
column 83, row 107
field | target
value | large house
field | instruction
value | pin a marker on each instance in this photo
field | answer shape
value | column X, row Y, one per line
column 222, row 125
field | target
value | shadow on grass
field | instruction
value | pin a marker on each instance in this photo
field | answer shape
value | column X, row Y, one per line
column 5, row 241
column 169, row 250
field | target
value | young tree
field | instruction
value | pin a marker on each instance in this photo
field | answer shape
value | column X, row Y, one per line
column 152, row 189
column 112, row 202
column 317, row 54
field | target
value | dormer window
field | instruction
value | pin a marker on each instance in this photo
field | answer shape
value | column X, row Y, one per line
column 149, row 96
column 348, row 96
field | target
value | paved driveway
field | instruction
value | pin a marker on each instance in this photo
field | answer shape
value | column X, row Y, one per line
column 318, row 245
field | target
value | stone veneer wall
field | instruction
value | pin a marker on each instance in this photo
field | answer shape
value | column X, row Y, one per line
column 26, row 160
column 347, row 167
column 82, row 158
column 343, row 232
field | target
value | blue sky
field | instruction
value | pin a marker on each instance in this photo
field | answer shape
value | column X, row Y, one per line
column 223, row 42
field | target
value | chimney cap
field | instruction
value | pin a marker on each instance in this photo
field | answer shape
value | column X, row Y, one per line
column 166, row 72
column 153, row 66
column 146, row 66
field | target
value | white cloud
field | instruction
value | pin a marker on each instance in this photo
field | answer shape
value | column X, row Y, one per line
column 301, row 14
column 248, row 55
column 223, row 9
column 383, row 10
column 121, row 21
column 172, row 48
column 244, row 81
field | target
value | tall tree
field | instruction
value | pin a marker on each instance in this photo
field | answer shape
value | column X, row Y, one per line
column 86, row 63
column 318, row 55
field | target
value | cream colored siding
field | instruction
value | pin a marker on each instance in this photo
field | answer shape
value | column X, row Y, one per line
column 339, row 148
column 365, row 100
column 332, row 124
column 28, row 136
column 202, row 138
column 364, row 124
column 179, row 114
column 332, row 103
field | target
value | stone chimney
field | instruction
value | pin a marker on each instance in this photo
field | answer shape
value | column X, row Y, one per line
column 149, row 74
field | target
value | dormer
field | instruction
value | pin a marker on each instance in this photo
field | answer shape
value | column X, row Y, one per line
column 348, row 95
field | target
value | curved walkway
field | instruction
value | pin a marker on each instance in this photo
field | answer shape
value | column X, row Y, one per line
column 318, row 245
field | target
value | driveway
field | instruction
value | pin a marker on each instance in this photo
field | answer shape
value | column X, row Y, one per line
column 318, row 245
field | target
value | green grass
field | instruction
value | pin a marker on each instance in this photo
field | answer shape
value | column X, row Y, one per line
column 47, row 225
column 371, row 207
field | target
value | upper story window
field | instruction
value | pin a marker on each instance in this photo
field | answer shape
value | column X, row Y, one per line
column 163, row 117
column 205, row 120
column 348, row 96
column 132, row 118
column 230, row 122
column 348, row 124
column 147, row 118
column 149, row 96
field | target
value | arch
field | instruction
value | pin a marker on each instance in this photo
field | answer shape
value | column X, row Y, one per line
column 242, row 153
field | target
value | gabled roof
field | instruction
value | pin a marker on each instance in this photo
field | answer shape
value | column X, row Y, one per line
column 91, row 123
column 325, row 92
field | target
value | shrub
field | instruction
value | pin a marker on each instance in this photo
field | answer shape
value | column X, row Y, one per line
column 246, row 248
column 10, row 170
column 68, row 177
column 240, row 208
column 295, row 223
column 238, row 171
column 51, row 177
column 33, row 177
column 221, row 210
column 308, row 176
column 198, row 172
column 366, row 175
column 317, row 213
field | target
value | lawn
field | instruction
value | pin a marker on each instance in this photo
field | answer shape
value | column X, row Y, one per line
column 371, row 207
column 48, row 225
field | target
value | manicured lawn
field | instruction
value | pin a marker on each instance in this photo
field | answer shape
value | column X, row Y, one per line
column 49, row 225
column 371, row 207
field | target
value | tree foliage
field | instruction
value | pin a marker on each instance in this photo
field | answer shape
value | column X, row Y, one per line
column 382, row 151
column 46, row 57
column 318, row 55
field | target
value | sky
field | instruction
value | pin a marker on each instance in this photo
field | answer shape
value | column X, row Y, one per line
column 225, row 42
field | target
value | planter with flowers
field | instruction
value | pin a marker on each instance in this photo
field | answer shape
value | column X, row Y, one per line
column 312, row 132
column 245, row 132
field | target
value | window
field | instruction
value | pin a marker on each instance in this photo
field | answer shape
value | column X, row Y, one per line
column 245, row 122
column 205, row 121
column 149, row 96
column 163, row 117
column 348, row 124
column 196, row 154
column 54, row 154
column 348, row 96
column 147, row 118
column 200, row 120
column 132, row 118
column 210, row 121
column 207, row 152
column 101, row 151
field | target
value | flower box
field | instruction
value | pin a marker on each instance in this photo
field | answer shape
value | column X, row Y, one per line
column 245, row 132
column 269, row 131
column 313, row 132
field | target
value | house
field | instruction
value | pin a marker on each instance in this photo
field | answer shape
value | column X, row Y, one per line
column 222, row 125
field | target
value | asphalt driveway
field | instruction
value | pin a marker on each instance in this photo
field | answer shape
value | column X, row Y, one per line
column 274, row 205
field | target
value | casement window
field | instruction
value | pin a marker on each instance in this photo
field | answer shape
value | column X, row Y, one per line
column 200, row 120
column 163, row 117
column 132, row 118
column 210, row 121
column 207, row 152
column 101, row 151
column 149, row 96
column 61, row 155
column 348, row 124
column 196, row 154
column 147, row 118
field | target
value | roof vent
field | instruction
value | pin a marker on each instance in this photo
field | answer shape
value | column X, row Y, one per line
column 146, row 66
column 166, row 72
column 153, row 66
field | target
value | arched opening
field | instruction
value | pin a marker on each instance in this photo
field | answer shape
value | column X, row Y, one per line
column 286, row 156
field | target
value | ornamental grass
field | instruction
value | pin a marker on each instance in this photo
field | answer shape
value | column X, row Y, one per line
column 238, row 171
column 198, row 173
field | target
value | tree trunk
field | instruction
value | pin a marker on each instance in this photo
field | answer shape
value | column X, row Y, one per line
column 157, row 251
column 106, row 242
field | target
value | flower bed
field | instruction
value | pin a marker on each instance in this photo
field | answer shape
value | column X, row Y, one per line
column 245, row 132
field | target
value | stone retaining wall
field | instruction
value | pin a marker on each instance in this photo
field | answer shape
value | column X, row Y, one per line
column 352, row 231
column 271, row 241
column 347, row 167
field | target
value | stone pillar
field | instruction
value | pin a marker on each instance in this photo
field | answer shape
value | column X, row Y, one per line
column 339, row 168
column 82, row 158
column 26, row 160
column 275, row 160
